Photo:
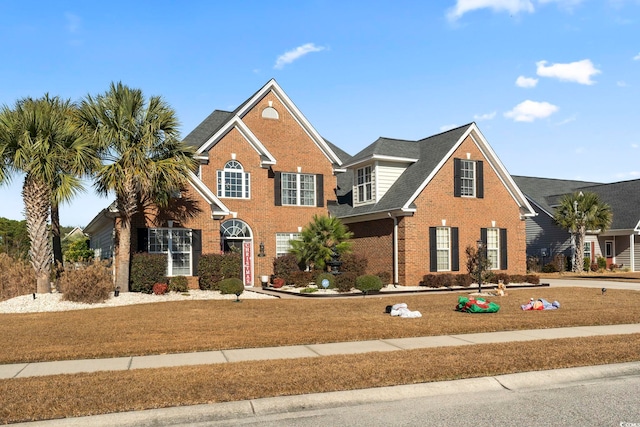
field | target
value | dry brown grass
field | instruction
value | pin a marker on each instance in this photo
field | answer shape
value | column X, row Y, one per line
column 59, row 396
column 214, row 325
column 174, row 327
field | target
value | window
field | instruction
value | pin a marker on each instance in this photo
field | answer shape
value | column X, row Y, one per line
column 493, row 248
column 364, row 184
column 283, row 242
column 176, row 243
column 587, row 250
column 468, row 178
column 298, row 189
column 443, row 248
column 233, row 181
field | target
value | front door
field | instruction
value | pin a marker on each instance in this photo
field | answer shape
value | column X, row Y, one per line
column 608, row 252
column 236, row 237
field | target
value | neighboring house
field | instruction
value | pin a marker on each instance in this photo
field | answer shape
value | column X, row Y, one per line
column 619, row 244
column 414, row 206
column 76, row 232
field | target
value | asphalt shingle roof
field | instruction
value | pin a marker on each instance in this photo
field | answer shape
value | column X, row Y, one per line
column 207, row 128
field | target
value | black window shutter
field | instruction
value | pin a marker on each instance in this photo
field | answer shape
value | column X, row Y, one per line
column 479, row 180
column 457, row 181
column 320, row 190
column 143, row 240
column 503, row 249
column 277, row 188
column 196, row 250
column 455, row 256
column 483, row 236
column 433, row 252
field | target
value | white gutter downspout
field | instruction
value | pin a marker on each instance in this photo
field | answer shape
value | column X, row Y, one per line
column 632, row 251
column 395, row 249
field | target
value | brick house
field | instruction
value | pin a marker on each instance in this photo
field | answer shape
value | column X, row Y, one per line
column 414, row 206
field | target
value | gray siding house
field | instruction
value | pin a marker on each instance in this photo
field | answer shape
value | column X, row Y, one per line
column 619, row 245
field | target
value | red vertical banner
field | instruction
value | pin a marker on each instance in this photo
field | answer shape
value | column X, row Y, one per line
column 246, row 263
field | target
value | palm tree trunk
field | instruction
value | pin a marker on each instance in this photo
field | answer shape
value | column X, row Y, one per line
column 55, row 239
column 37, row 199
column 123, row 256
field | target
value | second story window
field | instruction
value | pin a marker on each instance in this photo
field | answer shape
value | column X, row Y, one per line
column 298, row 189
column 233, row 181
column 364, row 184
column 468, row 178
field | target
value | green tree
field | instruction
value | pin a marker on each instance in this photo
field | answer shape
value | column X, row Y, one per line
column 579, row 212
column 319, row 239
column 78, row 250
column 143, row 156
column 14, row 239
column 39, row 139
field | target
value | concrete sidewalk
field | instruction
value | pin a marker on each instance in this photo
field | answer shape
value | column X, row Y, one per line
column 22, row 370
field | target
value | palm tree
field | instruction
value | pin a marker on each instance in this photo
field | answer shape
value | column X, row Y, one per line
column 38, row 138
column 579, row 212
column 319, row 239
column 143, row 156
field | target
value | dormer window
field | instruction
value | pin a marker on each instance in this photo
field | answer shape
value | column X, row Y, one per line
column 468, row 178
column 364, row 187
column 233, row 181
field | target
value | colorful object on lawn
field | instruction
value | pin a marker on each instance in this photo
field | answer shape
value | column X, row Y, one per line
column 476, row 305
column 540, row 304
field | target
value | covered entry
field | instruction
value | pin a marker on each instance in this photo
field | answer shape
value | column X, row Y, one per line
column 236, row 236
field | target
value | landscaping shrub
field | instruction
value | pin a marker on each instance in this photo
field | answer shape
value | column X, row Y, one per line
column 16, row 277
column 91, row 284
column 463, row 280
column 368, row 283
column 231, row 286
column 330, row 277
column 385, row 276
column 301, row 279
column 178, row 284
column 550, row 268
column 160, row 288
column 430, row 281
column 353, row 263
column 345, row 282
column 501, row 276
column 278, row 282
column 146, row 270
column 284, row 266
column 602, row 263
column 532, row 278
column 213, row 268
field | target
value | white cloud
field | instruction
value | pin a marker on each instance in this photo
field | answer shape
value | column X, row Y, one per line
column 578, row 72
column 634, row 146
column 621, row 83
column 487, row 116
column 523, row 81
column 294, row 54
column 637, row 57
column 73, row 22
column 567, row 120
column 445, row 128
column 511, row 6
column 529, row 111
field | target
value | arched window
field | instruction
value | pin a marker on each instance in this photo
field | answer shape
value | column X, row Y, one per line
column 233, row 181
column 233, row 232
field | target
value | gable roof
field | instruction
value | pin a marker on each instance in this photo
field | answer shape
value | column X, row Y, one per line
column 219, row 123
column 623, row 197
column 426, row 157
column 544, row 191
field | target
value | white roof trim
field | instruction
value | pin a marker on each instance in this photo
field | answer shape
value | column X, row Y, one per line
column 246, row 133
column 493, row 161
column 208, row 195
column 379, row 157
column 295, row 113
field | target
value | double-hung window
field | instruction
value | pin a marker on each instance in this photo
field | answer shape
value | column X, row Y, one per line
column 283, row 242
column 493, row 248
column 443, row 248
column 364, row 184
column 298, row 189
column 233, row 181
column 176, row 244
column 467, row 178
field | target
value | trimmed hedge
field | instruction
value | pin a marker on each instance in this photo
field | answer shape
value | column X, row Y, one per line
column 213, row 268
column 231, row 286
column 449, row 280
column 330, row 277
column 178, row 284
column 368, row 283
column 146, row 270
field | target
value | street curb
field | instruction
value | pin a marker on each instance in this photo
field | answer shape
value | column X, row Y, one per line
column 272, row 405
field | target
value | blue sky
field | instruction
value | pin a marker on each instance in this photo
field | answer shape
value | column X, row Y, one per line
column 553, row 84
